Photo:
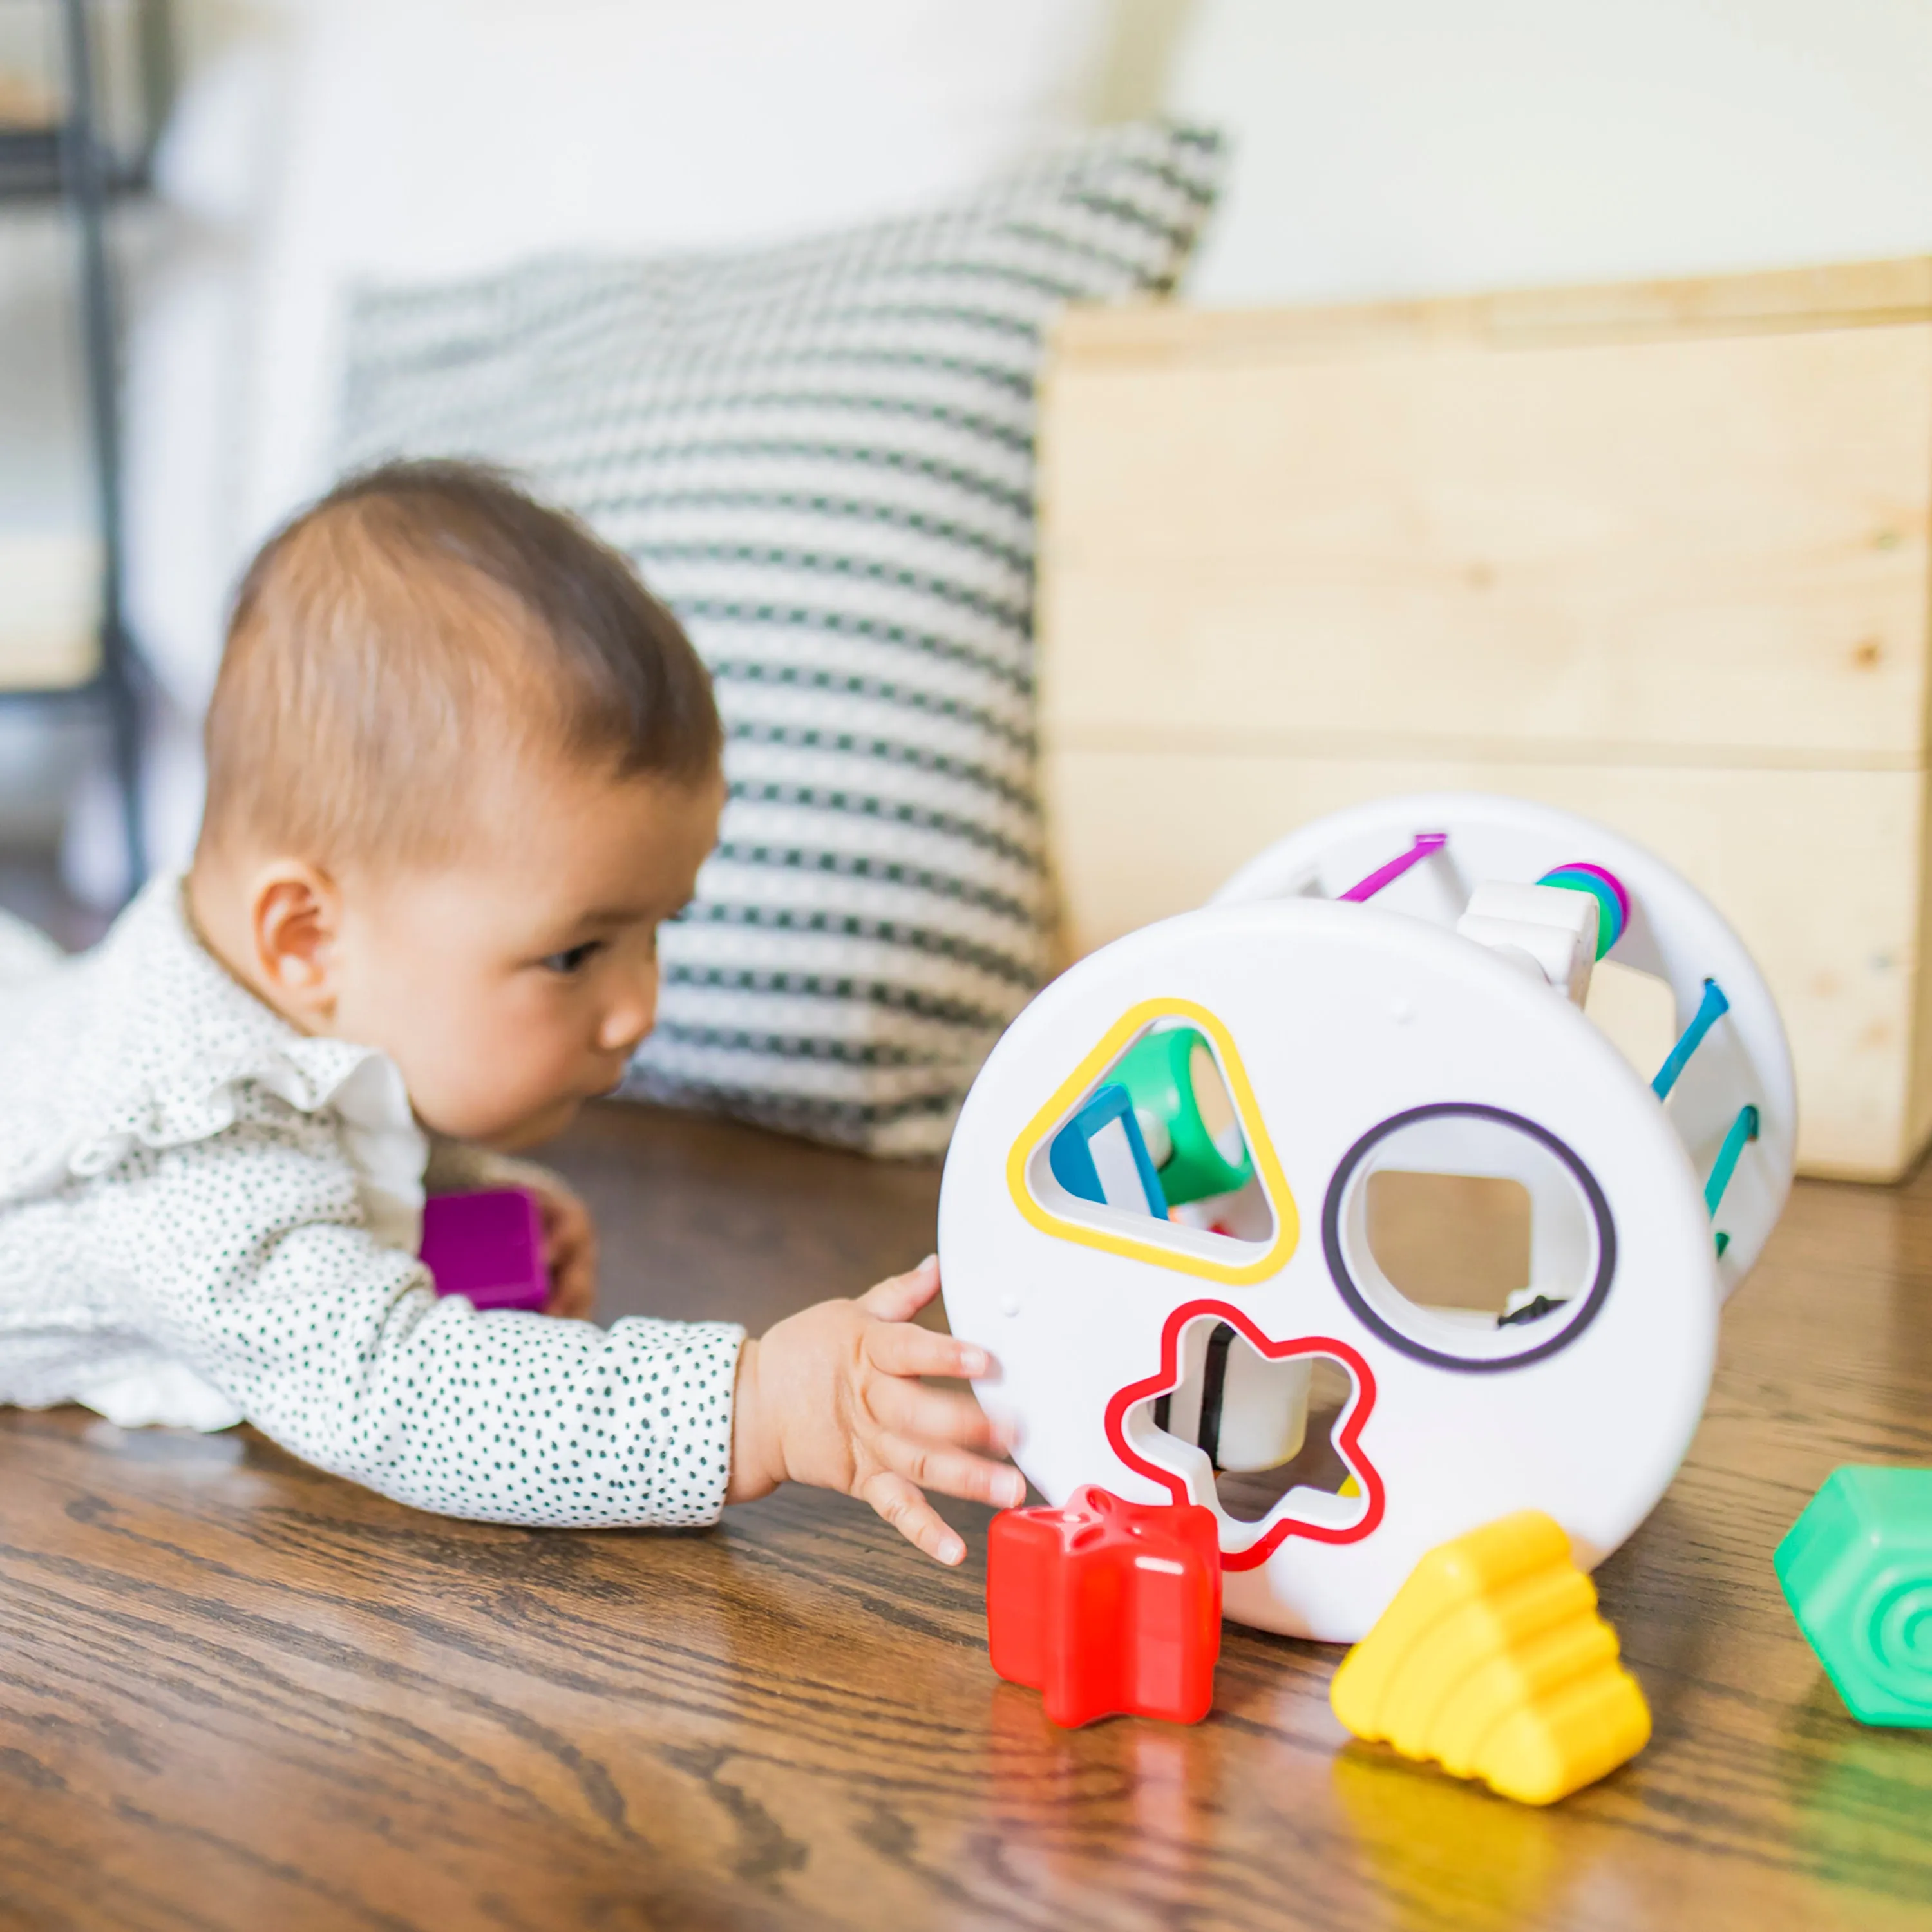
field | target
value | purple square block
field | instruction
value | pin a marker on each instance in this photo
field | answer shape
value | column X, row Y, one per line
column 487, row 1246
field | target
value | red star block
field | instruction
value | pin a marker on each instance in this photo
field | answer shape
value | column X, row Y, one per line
column 1106, row 1607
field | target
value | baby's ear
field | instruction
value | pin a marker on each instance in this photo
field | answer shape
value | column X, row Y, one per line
column 294, row 913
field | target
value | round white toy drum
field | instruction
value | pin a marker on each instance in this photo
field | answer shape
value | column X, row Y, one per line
column 1165, row 1209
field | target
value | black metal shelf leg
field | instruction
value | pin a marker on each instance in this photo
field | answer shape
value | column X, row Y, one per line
column 85, row 166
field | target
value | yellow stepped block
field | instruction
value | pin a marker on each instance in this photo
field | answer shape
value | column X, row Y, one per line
column 1491, row 1659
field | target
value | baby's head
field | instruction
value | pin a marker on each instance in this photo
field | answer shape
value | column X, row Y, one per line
column 460, row 764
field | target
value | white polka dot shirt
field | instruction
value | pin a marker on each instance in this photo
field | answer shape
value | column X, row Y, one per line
column 206, row 1216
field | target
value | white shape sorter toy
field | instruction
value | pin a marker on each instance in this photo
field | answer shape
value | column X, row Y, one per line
column 1159, row 1210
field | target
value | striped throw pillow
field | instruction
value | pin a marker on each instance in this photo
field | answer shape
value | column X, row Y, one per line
column 820, row 455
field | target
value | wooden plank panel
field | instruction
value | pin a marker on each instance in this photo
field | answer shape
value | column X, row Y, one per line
column 1918, row 1122
column 1818, row 870
column 1715, row 545
column 1845, row 295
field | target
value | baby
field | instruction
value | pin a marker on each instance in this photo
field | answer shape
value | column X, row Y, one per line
column 461, row 766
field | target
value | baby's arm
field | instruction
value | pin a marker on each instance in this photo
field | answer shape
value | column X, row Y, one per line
column 246, row 1260
column 832, row 1396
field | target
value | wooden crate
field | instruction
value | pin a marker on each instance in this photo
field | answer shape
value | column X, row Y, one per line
column 1659, row 554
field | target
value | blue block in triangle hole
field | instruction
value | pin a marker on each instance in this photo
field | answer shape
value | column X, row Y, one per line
column 1100, row 1156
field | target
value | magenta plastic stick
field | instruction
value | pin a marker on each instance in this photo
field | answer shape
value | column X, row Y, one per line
column 1425, row 842
column 487, row 1246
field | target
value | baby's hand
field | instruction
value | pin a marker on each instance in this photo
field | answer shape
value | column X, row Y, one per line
column 570, row 1244
column 832, row 1396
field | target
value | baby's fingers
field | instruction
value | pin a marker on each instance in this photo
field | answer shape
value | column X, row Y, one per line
column 909, row 1409
column 573, row 1291
column 901, row 1297
column 952, row 1472
column 904, row 1348
column 912, row 1516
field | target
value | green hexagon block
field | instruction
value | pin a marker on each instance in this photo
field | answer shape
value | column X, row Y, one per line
column 1857, row 1571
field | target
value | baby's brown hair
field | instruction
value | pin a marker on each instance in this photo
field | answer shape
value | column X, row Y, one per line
column 421, row 616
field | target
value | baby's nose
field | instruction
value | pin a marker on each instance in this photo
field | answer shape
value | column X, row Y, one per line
column 625, row 1027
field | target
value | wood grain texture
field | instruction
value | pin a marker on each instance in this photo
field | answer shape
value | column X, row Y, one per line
column 235, row 1692
column 1714, row 548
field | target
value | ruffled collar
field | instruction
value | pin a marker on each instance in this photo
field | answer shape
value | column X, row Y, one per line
column 162, row 1042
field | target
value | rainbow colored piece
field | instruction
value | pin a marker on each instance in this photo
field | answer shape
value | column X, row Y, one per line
column 1613, row 905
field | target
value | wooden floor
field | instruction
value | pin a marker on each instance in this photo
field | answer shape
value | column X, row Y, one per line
column 237, row 1693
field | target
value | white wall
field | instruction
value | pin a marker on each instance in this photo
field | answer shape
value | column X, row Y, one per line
column 1412, row 146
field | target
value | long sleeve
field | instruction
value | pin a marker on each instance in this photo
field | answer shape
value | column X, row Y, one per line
column 247, row 1259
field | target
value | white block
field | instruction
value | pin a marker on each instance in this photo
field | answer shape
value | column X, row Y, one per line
column 1565, row 958
column 1263, row 1409
column 1572, row 912
column 1263, row 1416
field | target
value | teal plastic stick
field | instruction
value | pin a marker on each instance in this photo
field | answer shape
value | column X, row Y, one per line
column 1711, row 1009
column 1743, row 1128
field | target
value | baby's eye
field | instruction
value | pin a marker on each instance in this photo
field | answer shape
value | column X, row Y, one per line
column 575, row 958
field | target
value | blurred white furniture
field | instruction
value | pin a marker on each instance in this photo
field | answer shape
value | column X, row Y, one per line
column 63, row 637
column 410, row 140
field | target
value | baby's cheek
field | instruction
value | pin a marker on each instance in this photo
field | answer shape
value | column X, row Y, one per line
column 501, row 1092
column 517, row 1088
column 456, row 1079
column 460, row 1101
column 482, row 1065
